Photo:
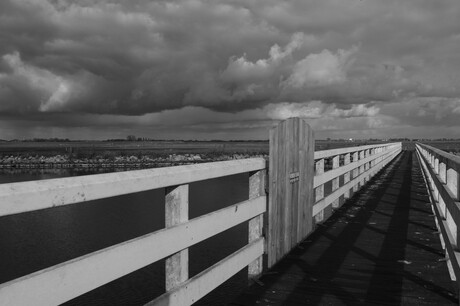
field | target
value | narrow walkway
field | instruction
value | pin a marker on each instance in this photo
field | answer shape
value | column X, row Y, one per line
column 380, row 248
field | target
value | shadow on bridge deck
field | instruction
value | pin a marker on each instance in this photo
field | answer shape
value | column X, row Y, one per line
column 380, row 247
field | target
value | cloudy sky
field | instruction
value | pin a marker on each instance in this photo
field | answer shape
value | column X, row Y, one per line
column 229, row 69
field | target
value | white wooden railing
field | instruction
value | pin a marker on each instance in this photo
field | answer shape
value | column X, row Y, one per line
column 62, row 282
column 441, row 172
column 65, row 281
column 358, row 165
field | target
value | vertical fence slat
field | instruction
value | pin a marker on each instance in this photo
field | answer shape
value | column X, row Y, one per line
column 355, row 172
column 319, row 191
column 453, row 182
column 346, row 176
column 256, row 189
column 176, row 212
column 335, row 181
column 361, row 168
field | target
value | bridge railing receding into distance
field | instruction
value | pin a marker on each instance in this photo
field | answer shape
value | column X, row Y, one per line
column 441, row 171
column 297, row 199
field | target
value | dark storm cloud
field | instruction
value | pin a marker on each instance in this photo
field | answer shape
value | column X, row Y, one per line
column 343, row 64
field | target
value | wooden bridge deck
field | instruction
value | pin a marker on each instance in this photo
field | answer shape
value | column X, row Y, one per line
column 381, row 247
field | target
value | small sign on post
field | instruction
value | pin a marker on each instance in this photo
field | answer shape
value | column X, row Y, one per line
column 294, row 177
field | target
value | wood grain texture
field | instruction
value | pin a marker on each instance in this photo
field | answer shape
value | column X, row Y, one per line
column 378, row 249
column 255, row 230
column 206, row 281
column 448, row 228
column 176, row 212
column 323, row 177
column 335, row 181
column 290, row 202
column 335, row 195
column 346, row 176
column 60, row 283
column 28, row 196
column 334, row 152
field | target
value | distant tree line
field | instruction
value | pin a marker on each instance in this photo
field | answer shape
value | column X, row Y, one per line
column 134, row 138
column 47, row 140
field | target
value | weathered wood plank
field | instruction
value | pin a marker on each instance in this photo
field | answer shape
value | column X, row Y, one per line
column 289, row 154
column 288, row 182
column 272, row 223
column 324, row 177
column 355, row 171
column 334, row 152
column 28, row 196
column 319, row 191
column 328, row 200
column 335, row 181
column 62, row 282
column 206, row 281
column 346, row 175
column 356, row 258
column 256, row 189
column 453, row 183
column 306, row 163
column 176, row 212
column 449, row 242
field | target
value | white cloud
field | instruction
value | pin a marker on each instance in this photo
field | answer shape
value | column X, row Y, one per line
column 153, row 57
column 52, row 91
column 318, row 109
column 243, row 70
column 322, row 69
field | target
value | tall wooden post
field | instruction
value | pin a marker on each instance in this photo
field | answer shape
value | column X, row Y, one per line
column 291, row 195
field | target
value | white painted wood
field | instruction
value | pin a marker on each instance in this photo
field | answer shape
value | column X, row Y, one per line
column 28, row 196
column 361, row 168
column 319, row 190
column 335, row 181
column 442, row 172
column 355, row 171
column 62, row 282
column 452, row 226
column 447, row 175
column 346, row 175
column 321, row 178
column 319, row 170
column 176, row 212
column 339, row 151
column 453, row 183
column 448, row 226
column 206, row 281
column 256, row 189
column 328, row 200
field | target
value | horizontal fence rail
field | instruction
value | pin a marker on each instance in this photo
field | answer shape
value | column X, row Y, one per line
column 441, row 171
column 28, row 196
column 346, row 169
column 356, row 165
column 65, row 281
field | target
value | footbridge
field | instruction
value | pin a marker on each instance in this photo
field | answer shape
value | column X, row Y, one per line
column 352, row 226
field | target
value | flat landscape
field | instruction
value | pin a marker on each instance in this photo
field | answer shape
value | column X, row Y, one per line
column 147, row 154
column 174, row 146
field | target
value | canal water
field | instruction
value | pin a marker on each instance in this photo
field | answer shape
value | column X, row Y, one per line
column 36, row 240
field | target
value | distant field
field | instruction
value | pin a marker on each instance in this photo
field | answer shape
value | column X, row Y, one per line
column 153, row 147
column 130, row 147
column 448, row 146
